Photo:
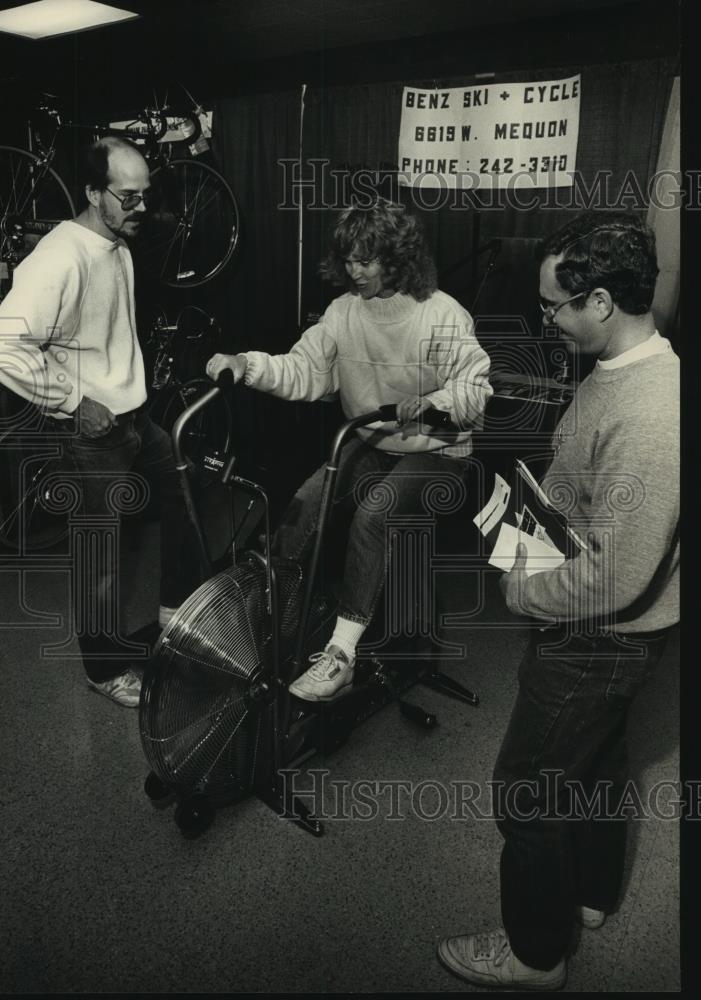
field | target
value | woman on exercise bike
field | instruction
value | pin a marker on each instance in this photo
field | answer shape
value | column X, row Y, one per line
column 392, row 337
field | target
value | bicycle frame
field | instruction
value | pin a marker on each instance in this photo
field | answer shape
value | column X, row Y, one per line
column 198, row 228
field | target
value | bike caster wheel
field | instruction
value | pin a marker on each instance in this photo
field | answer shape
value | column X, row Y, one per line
column 427, row 720
column 155, row 789
column 194, row 815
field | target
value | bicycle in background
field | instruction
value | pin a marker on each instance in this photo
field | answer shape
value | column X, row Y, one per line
column 194, row 227
column 175, row 356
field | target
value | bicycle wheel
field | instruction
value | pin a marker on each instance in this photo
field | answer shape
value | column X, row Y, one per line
column 33, row 199
column 34, row 500
column 31, row 517
column 208, row 436
column 192, row 233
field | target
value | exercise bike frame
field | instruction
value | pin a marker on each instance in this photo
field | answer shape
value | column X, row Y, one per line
column 271, row 687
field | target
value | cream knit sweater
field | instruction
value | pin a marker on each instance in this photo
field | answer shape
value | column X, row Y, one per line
column 380, row 351
column 67, row 326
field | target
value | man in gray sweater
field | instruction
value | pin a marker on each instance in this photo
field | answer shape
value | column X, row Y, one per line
column 599, row 621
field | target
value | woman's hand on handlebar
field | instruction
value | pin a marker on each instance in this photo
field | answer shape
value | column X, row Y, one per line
column 411, row 408
column 236, row 363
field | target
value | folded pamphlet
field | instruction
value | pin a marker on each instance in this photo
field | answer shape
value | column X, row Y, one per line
column 523, row 513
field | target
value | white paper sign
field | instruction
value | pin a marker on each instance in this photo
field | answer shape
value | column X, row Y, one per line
column 502, row 135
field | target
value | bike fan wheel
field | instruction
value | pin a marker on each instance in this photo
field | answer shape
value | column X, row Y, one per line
column 193, row 230
column 206, row 686
column 198, row 718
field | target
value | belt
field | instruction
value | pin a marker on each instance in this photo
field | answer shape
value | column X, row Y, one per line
column 596, row 632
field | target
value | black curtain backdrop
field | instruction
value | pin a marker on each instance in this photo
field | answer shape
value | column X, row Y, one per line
column 348, row 129
column 252, row 135
column 279, row 443
column 356, row 128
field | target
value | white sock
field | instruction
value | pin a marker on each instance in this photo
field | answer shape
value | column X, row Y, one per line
column 164, row 616
column 347, row 635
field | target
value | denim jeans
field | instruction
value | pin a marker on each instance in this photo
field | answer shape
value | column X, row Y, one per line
column 563, row 767
column 123, row 469
column 373, row 485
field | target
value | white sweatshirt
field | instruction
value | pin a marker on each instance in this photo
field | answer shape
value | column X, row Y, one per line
column 67, row 326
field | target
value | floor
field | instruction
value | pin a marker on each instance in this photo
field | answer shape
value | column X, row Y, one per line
column 102, row 894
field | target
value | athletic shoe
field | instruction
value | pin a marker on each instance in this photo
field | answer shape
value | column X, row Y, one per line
column 330, row 675
column 125, row 689
column 487, row 960
column 591, row 919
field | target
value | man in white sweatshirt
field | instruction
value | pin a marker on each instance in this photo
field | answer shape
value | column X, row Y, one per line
column 68, row 344
column 391, row 338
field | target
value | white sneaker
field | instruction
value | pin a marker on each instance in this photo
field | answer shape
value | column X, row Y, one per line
column 330, row 674
column 125, row 689
column 591, row 919
column 487, row 960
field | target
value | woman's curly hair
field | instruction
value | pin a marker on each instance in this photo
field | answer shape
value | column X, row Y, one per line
column 386, row 232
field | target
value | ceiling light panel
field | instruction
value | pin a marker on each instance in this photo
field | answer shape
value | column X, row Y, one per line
column 47, row 18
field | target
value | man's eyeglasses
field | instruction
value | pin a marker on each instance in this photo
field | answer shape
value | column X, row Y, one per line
column 129, row 201
column 549, row 311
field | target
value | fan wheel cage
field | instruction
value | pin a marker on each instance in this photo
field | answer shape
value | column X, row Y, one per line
column 201, row 727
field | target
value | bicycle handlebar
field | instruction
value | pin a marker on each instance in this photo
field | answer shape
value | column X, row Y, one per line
column 431, row 417
column 225, row 379
column 438, row 419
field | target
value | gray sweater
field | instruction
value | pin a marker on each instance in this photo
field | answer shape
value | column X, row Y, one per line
column 616, row 477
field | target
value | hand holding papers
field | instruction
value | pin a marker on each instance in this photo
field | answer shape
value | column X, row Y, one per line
column 548, row 538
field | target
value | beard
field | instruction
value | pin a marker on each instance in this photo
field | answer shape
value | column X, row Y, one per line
column 119, row 225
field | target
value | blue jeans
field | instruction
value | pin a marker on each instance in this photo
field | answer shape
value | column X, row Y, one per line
column 374, row 485
column 562, row 768
column 122, row 470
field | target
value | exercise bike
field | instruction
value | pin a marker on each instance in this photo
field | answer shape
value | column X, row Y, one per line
column 216, row 718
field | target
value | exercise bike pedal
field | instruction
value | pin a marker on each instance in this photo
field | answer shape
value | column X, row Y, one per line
column 427, row 720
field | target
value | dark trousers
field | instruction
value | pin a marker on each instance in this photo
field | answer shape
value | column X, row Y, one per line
column 120, row 472
column 559, row 778
column 373, row 486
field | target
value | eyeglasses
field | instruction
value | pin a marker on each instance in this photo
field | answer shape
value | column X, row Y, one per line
column 550, row 311
column 130, row 201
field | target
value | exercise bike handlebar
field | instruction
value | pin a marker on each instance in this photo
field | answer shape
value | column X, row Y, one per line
column 435, row 419
column 225, row 379
column 431, row 418
column 440, row 419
